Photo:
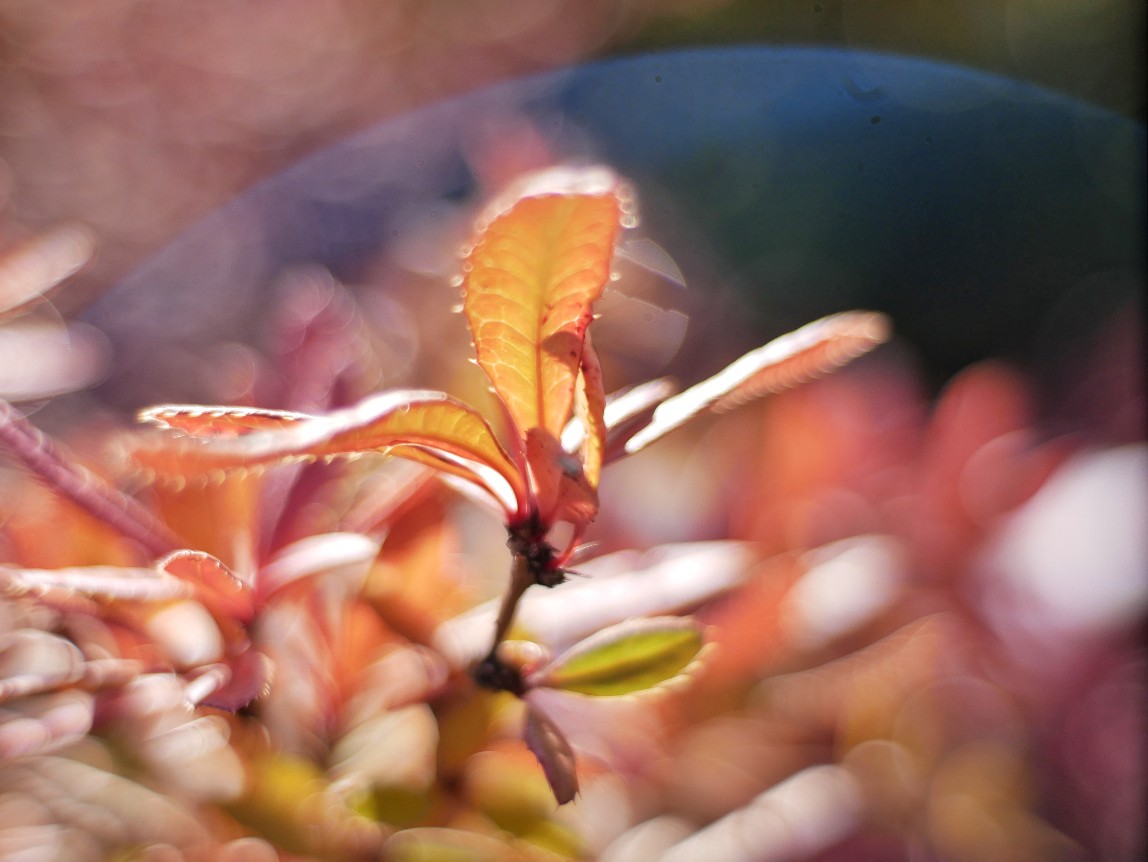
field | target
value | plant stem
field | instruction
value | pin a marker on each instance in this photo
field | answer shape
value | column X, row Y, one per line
column 520, row 579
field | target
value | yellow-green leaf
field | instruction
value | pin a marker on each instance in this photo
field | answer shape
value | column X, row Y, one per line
column 425, row 426
column 632, row 656
column 530, row 281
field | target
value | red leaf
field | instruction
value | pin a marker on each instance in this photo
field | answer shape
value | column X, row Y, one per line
column 218, row 588
column 554, row 754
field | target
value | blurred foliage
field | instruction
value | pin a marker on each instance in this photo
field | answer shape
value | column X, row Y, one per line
column 922, row 621
column 925, row 616
column 186, row 105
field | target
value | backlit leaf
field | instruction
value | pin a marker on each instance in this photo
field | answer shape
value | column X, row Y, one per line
column 811, row 351
column 630, row 657
column 218, row 588
column 530, row 280
column 205, row 421
column 425, row 426
column 590, row 408
column 561, row 488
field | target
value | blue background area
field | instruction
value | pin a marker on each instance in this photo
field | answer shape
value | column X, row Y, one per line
column 987, row 216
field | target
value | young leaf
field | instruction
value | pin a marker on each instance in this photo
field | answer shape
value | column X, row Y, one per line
column 590, row 408
column 530, row 281
column 562, row 490
column 425, row 426
column 814, row 349
column 633, row 656
column 218, row 588
column 214, row 422
column 554, row 754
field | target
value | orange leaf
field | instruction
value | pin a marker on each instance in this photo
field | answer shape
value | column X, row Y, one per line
column 426, row 426
column 561, row 489
column 530, row 281
column 590, row 408
column 806, row 353
column 219, row 589
column 203, row 421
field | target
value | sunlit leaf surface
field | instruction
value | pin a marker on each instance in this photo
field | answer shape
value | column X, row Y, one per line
column 530, row 281
column 590, row 408
column 785, row 362
column 633, row 656
column 423, row 425
column 205, row 421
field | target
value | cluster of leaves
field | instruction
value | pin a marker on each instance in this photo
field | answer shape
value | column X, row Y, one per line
column 224, row 611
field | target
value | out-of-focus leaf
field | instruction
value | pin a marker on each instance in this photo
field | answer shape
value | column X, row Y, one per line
column 218, row 588
column 630, row 657
column 33, row 661
column 434, row 844
column 625, row 413
column 618, row 587
column 31, row 269
column 800, row 818
column 39, row 360
column 530, row 280
column 289, row 801
column 248, row 677
column 188, row 634
column 506, row 785
column 44, row 722
column 105, row 582
column 554, row 754
column 811, row 351
column 426, row 426
column 104, row 501
column 395, row 748
column 347, row 555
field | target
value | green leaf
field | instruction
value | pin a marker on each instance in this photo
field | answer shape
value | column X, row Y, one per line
column 630, row 657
